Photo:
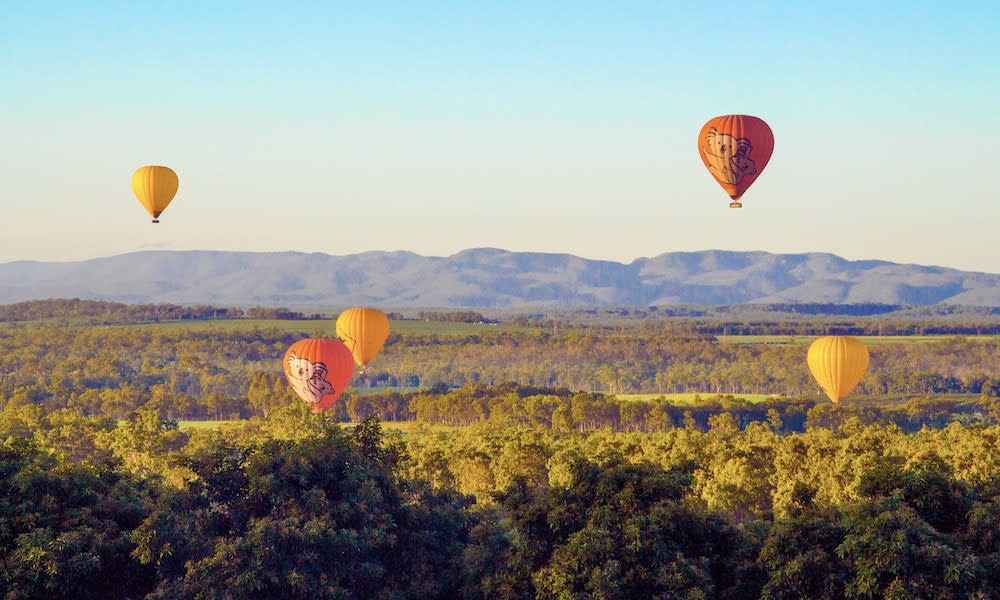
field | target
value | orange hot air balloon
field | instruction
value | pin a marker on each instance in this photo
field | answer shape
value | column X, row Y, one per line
column 364, row 330
column 318, row 370
column 838, row 363
column 155, row 187
column 735, row 148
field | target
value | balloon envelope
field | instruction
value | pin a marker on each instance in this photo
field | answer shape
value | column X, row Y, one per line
column 735, row 149
column 838, row 363
column 154, row 186
column 318, row 370
column 364, row 330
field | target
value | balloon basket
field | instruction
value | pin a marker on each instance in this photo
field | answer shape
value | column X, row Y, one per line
column 156, row 220
column 735, row 204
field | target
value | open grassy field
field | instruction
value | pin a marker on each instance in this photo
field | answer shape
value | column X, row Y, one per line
column 869, row 340
column 883, row 400
column 405, row 327
column 326, row 327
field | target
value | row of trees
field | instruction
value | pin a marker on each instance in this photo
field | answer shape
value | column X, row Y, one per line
column 455, row 316
column 294, row 506
column 581, row 411
column 102, row 312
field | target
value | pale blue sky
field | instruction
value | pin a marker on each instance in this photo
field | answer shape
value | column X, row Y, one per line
column 531, row 126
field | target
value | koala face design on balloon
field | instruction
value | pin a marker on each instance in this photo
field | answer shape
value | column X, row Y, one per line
column 308, row 378
column 728, row 157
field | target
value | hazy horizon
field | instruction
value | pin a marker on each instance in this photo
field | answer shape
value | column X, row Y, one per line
column 595, row 258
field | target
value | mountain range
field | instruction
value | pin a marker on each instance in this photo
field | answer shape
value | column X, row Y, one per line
column 485, row 278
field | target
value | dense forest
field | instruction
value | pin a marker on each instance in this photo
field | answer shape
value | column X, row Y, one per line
column 523, row 470
column 297, row 506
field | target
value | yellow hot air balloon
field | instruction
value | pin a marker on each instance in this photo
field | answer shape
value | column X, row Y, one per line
column 838, row 363
column 155, row 187
column 364, row 330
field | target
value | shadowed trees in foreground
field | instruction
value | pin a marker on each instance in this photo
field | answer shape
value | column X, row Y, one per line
column 297, row 506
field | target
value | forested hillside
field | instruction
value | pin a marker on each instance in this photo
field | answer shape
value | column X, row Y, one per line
column 491, row 278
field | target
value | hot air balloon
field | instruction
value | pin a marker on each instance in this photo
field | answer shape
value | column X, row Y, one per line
column 364, row 330
column 318, row 370
column 838, row 363
column 735, row 148
column 155, row 187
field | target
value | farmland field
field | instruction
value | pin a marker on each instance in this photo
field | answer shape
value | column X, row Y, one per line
column 325, row 327
column 798, row 340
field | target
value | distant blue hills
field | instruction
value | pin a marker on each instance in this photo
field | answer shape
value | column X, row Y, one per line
column 489, row 278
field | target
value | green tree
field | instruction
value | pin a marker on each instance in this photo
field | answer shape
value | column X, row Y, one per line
column 623, row 531
column 892, row 553
column 800, row 558
column 65, row 528
column 323, row 515
column 148, row 445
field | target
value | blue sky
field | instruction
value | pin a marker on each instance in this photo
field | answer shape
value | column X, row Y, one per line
column 531, row 126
